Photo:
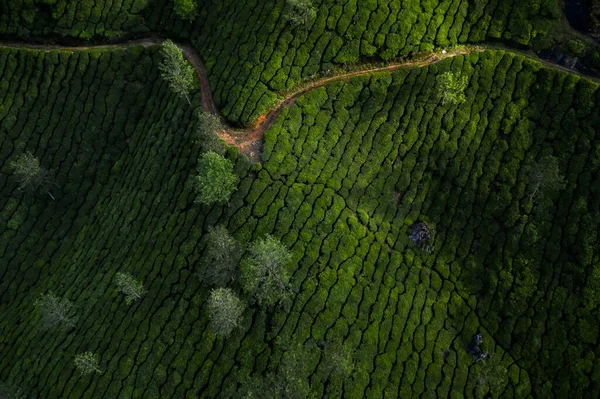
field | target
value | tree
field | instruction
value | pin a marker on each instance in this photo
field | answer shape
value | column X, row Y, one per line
column 215, row 181
column 56, row 311
column 129, row 286
column 544, row 177
column 338, row 359
column 451, row 88
column 31, row 175
column 186, row 9
column 299, row 12
column 221, row 257
column 225, row 310
column 176, row 70
column 11, row 391
column 207, row 129
column 264, row 273
column 87, row 363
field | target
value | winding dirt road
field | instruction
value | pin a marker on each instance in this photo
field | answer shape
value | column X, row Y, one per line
column 249, row 140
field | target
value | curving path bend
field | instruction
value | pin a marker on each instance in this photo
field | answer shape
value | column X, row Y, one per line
column 249, row 140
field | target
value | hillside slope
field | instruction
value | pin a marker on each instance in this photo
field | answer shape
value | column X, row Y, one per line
column 347, row 170
column 252, row 51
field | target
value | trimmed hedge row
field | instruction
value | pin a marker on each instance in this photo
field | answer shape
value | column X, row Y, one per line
column 252, row 52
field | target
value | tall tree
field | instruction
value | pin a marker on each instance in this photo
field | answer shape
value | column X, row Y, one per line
column 451, row 88
column 215, row 181
column 207, row 128
column 264, row 273
column 31, row 175
column 176, row 70
column 225, row 310
column 299, row 12
column 87, row 363
column 544, row 177
column 221, row 257
column 56, row 311
column 129, row 286
column 186, row 9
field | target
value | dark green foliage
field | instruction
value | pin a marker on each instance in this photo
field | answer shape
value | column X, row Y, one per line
column 215, row 181
column 220, row 261
column 290, row 381
column 252, row 51
column 264, row 270
column 347, row 170
column 11, row 391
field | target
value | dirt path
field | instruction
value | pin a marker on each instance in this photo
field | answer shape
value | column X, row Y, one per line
column 249, row 140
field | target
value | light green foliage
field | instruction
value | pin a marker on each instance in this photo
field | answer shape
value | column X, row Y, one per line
column 56, row 311
column 300, row 12
column 215, row 181
column 225, row 310
column 451, row 88
column 87, row 363
column 186, row 9
column 176, row 70
column 221, row 257
column 207, row 129
column 31, row 175
column 544, row 177
column 11, row 391
column 264, row 273
column 129, row 286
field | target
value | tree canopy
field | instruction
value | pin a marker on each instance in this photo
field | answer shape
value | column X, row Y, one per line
column 225, row 310
column 221, row 257
column 451, row 88
column 186, row 9
column 176, row 70
column 215, row 181
column 544, row 177
column 264, row 273
column 31, row 175
column 207, row 128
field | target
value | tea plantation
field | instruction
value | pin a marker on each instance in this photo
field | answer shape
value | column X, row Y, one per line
column 506, row 173
column 251, row 50
column 346, row 172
